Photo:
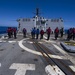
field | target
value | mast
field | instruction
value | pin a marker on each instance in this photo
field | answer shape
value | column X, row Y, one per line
column 37, row 12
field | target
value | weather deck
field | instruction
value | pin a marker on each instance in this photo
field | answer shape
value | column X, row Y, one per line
column 23, row 56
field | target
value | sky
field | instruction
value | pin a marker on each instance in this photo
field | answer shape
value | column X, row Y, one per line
column 10, row 10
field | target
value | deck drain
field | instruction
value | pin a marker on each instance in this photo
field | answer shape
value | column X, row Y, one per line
column 1, row 49
column 35, row 59
column 22, row 50
column 12, row 47
column 57, row 52
column 13, row 44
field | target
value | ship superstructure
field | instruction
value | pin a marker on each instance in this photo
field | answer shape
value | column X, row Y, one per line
column 39, row 22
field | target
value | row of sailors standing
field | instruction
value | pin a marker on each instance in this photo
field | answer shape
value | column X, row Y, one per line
column 71, row 34
column 36, row 32
column 11, row 32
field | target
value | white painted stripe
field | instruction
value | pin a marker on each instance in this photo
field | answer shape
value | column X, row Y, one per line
column 49, row 40
column 53, row 70
column 29, row 42
column 2, row 41
column 58, row 70
column 58, row 48
column 0, row 64
column 22, row 68
column 40, row 42
column 72, row 67
column 19, row 34
column 36, row 52
column 27, row 49
column 61, row 50
column 11, row 41
column 7, row 41
column 55, row 56
column 49, row 70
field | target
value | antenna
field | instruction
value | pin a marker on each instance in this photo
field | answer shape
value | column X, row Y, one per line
column 37, row 12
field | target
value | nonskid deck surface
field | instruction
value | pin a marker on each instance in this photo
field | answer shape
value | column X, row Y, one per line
column 22, row 56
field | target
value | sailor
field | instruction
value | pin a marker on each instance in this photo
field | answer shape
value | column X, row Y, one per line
column 61, row 32
column 37, row 33
column 14, row 30
column 56, row 33
column 68, row 34
column 73, row 33
column 9, row 32
column 11, row 29
column 41, row 33
column 24, row 32
column 33, row 32
column 48, row 33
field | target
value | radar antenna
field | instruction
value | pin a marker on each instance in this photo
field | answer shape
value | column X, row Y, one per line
column 37, row 12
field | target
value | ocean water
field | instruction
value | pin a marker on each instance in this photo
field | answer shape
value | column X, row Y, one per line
column 3, row 29
column 65, row 30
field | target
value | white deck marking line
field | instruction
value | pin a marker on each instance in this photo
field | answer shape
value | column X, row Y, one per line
column 2, row 41
column 61, row 50
column 50, row 70
column 49, row 40
column 22, row 68
column 58, row 48
column 30, row 42
column 55, row 56
column 0, row 64
column 27, row 49
column 11, row 41
column 7, row 41
column 36, row 52
column 72, row 67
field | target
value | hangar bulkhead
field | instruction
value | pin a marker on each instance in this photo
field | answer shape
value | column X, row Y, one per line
column 39, row 22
